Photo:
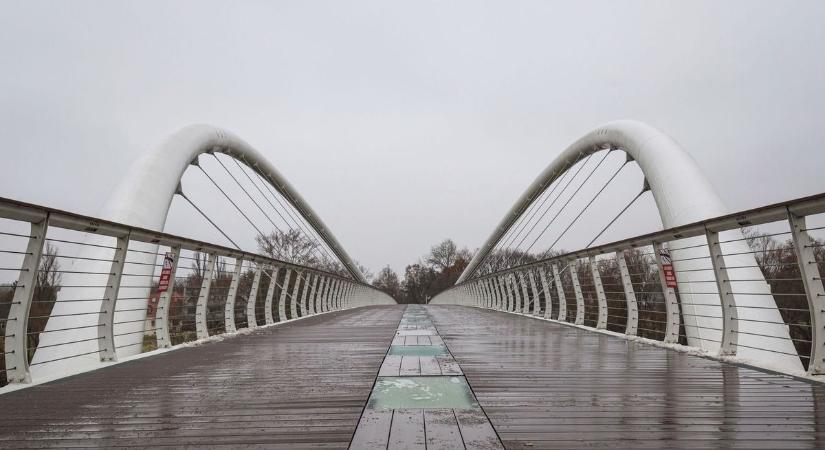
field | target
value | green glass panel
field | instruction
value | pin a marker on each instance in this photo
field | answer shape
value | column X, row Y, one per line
column 418, row 350
column 421, row 393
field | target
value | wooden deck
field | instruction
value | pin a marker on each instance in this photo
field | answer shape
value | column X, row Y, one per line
column 547, row 385
column 305, row 384
column 300, row 385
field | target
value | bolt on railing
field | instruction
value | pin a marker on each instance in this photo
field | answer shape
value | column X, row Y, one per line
column 716, row 285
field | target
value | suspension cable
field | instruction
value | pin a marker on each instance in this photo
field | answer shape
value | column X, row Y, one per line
column 298, row 224
column 572, row 196
column 253, row 200
column 246, row 192
column 230, row 201
column 208, row 219
column 268, row 188
column 561, row 179
column 617, row 217
column 502, row 254
column 585, row 207
column 559, row 196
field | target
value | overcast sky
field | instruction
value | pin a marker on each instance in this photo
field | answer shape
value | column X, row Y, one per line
column 404, row 123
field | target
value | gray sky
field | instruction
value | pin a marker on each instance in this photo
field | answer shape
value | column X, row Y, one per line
column 403, row 123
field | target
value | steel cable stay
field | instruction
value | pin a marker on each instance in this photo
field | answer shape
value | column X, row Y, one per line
column 568, row 200
column 561, row 179
column 209, row 220
column 575, row 174
column 583, row 210
column 231, row 201
column 252, row 199
column 286, row 210
column 269, row 189
column 535, row 206
column 572, row 196
column 616, row 217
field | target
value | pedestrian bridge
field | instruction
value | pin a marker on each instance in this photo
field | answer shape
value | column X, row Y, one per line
column 703, row 333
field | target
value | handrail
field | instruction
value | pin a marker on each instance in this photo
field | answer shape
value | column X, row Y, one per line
column 108, row 314
column 733, row 300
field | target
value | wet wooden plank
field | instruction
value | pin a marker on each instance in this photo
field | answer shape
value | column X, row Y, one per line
column 373, row 431
column 407, row 431
column 448, row 365
column 429, row 365
column 391, row 366
column 410, row 366
column 302, row 384
column 546, row 385
column 476, row 430
column 442, row 430
column 424, row 340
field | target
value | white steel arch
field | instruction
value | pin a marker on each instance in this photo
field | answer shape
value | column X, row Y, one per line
column 144, row 196
column 143, row 199
column 683, row 195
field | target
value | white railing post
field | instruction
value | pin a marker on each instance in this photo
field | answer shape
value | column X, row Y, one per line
column 313, row 291
column 201, row 309
column 231, row 294
column 671, row 301
column 548, row 297
column 730, row 326
column 577, row 289
column 488, row 294
column 16, row 342
column 282, row 299
column 269, row 317
column 560, row 291
column 337, row 293
column 106, row 318
column 293, row 297
column 165, row 303
column 814, row 292
column 502, row 299
column 525, row 305
column 632, row 324
column 304, row 294
column 536, row 293
column 505, row 280
column 251, row 302
column 600, row 296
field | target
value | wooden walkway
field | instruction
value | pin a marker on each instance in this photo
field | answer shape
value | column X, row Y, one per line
column 547, row 385
column 303, row 384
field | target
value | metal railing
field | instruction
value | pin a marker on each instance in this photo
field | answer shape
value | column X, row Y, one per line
column 125, row 286
column 745, row 285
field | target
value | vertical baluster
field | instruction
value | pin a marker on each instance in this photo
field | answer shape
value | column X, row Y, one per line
column 814, row 292
column 165, row 303
column 251, row 320
column 201, row 316
column 106, row 318
column 730, row 326
column 231, row 294
column 600, row 296
column 632, row 324
column 17, row 321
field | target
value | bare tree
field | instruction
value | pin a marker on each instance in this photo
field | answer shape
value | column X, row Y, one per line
column 443, row 255
column 387, row 281
column 290, row 246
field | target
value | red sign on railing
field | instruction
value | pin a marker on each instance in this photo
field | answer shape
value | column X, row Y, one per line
column 166, row 273
column 667, row 269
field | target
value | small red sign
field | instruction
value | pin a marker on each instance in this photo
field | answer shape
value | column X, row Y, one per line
column 667, row 269
column 166, row 273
